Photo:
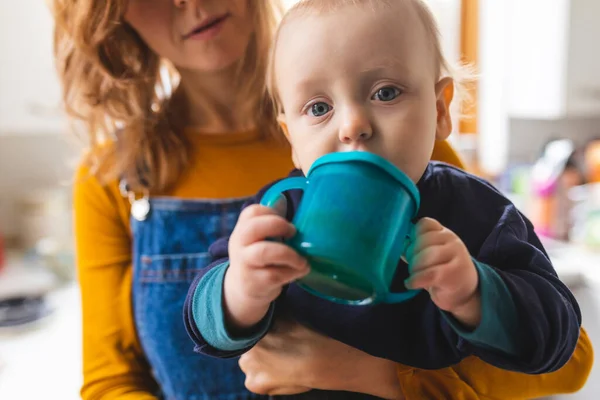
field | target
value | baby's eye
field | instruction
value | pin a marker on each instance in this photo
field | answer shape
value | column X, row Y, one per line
column 319, row 109
column 387, row 93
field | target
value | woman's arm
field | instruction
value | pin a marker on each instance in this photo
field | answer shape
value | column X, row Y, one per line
column 113, row 365
column 294, row 359
column 275, row 366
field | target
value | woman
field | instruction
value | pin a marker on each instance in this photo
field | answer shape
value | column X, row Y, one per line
column 166, row 173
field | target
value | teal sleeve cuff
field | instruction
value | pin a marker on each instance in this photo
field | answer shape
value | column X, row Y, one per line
column 209, row 316
column 498, row 327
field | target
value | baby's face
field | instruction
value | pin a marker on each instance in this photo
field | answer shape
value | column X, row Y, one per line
column 360, row 79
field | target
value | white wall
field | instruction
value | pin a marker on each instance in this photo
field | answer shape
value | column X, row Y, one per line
column 29, row 163
column 29, row 88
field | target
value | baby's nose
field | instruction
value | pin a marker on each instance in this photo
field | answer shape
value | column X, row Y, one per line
column 357, row 127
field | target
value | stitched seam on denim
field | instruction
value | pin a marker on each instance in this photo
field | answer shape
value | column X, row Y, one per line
column 199, row 200
column 195, row 206
column 170, row 276
column 138, row 292
column 174, row 271
column 177, row 256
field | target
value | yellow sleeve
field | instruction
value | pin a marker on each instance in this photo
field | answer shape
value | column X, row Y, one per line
column 113, row 364
column 493, row 383
column 443, row 151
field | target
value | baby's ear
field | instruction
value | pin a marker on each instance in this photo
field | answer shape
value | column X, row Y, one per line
column 444, row 91
column 283, row 124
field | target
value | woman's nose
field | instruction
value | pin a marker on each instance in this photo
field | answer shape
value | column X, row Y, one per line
column 180, row 3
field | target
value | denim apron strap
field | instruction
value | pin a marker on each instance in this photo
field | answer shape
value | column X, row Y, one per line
column 170, row 246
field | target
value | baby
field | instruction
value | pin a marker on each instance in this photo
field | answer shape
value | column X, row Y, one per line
column 364, row 75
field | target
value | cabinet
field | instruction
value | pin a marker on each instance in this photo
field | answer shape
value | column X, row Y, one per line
column 553, row 62
column 29, row 88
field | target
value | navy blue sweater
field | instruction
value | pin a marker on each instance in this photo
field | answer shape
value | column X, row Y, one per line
column 544, row 330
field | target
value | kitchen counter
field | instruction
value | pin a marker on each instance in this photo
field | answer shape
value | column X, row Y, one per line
column 574, row 264
column 41, row 360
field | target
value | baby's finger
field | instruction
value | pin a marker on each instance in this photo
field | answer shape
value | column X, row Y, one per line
column 256, row 210
column 263, row 227
column 431, row 256
column 264, row 253
column 275, row 276
column 427, row 225
column 422, row 280
column 430, row 239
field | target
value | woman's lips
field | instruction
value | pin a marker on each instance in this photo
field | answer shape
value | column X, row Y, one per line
column 208, row 29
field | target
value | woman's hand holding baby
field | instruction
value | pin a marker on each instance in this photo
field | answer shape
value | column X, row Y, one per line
column 441, row 264
column 259, row 268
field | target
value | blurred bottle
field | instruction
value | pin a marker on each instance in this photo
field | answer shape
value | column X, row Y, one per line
column 553, row 175
column 592, row 161
column 586, row 198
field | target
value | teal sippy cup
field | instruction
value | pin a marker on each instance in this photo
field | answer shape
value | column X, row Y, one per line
column 353, row 226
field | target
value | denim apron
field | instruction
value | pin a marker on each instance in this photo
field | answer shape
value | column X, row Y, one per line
column 171, row 238
column 170, row 243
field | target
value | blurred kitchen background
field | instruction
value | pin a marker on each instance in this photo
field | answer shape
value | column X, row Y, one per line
column 533, row 129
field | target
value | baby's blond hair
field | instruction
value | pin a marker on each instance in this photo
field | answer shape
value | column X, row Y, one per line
column 460, row 73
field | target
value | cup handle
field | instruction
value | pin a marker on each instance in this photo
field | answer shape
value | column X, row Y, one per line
column 391, row 297
column 269, row 199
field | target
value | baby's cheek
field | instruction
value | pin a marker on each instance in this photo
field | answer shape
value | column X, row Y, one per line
column 413, row 166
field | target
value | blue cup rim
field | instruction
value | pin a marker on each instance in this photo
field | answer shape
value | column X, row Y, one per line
column 373, row 159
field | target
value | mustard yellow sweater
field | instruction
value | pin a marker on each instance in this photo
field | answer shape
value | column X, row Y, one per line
column 113, row 365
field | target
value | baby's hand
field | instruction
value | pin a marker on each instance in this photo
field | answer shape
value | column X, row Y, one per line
column 441, row 264
column 258, row 268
